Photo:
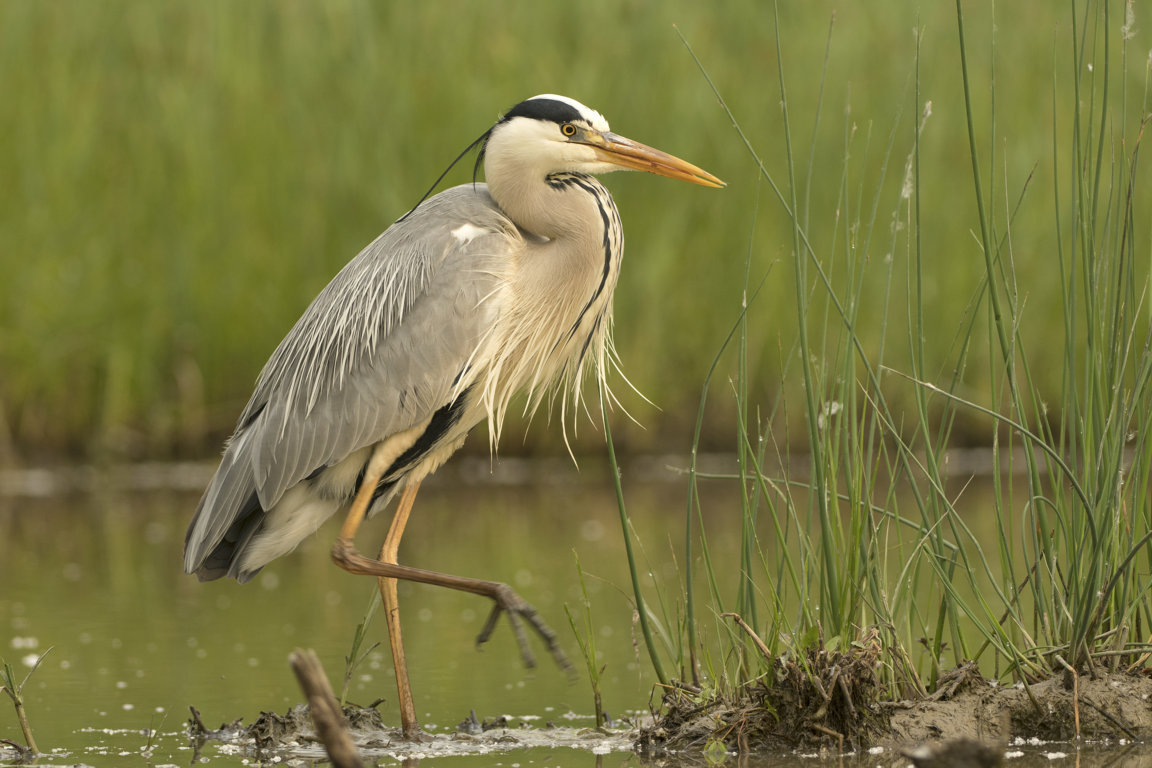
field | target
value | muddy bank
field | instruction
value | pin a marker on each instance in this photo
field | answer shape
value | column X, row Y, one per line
column 817, row 708
column 831, row 705
column 1114, row 707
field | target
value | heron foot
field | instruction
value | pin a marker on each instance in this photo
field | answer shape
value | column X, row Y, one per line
column 519, row 611
column 345, row 555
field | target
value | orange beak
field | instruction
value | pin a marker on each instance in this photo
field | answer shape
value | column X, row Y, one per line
column 618, row 150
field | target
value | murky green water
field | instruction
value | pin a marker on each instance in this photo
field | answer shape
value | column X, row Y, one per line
column 96, row 575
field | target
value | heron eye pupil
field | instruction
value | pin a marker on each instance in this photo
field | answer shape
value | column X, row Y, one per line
column 568, row 129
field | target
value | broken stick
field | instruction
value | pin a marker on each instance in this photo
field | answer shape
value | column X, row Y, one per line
column 331, row 727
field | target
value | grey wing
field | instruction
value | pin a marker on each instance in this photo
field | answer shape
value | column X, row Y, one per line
column 378, row 351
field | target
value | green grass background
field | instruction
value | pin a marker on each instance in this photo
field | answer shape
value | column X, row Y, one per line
column 179, row 179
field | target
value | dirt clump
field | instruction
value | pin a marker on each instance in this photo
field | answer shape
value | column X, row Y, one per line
column 825, row 698
column 272, row 730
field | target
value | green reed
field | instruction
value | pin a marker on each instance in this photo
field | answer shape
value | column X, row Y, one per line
column 867, row 531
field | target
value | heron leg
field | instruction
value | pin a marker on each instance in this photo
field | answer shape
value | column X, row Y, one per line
column 345, row 554
column 382, row 457
column 506, row 600
column 408, row 724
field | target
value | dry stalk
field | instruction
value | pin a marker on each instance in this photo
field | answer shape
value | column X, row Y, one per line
column 327, row 716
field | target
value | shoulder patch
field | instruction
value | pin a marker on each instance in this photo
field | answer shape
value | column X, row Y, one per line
column 466, row 233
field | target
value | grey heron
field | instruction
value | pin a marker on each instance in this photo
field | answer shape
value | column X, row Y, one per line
column 480, row 292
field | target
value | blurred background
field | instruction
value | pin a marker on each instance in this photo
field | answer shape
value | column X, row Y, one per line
column 181, row 178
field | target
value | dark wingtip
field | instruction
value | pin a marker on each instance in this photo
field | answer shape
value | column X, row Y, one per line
column 244, row 577
column 209, row 574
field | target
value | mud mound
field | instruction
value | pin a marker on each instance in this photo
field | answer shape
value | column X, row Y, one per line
column 272, row 730
column 831, row 701
column 825, row 699
column 1116, row 706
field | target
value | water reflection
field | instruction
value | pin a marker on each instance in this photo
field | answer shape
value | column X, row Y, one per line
column 97, row 576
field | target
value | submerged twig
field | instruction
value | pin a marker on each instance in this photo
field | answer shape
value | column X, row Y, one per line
column 15, row 692
column 23, row 753
column 197, row 725
column 829, row 732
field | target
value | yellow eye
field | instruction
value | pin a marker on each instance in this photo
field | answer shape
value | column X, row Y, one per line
column 568, row 129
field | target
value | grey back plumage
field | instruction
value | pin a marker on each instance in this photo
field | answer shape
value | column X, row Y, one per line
column 379, row 350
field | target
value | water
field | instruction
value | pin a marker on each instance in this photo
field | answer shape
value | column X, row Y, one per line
column 90, row 565
column 95, row 574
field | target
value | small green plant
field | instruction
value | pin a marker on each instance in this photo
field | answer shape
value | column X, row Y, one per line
column 15, row 691
column 355, row 657
column 587, row 642
column 152, row 733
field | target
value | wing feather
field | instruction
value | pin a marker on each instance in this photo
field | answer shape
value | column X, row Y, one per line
column 379, row 350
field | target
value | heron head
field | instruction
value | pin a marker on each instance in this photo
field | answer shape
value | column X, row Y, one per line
column 555, row 133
